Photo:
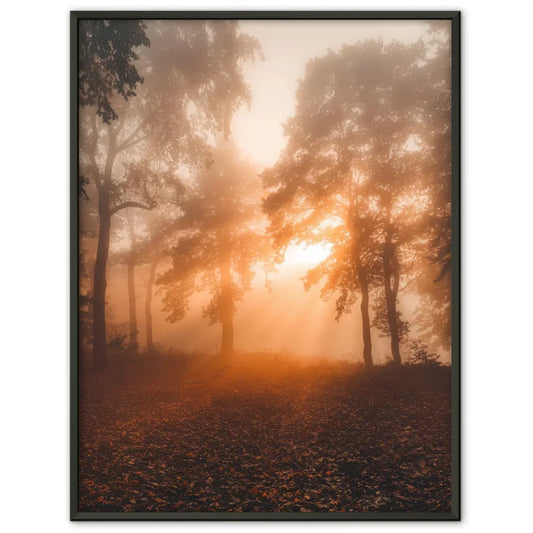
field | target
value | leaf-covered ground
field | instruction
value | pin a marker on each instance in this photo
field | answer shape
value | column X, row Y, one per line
column 324, row 439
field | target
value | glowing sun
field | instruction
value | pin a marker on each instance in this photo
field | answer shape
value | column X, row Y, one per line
column 307, row 256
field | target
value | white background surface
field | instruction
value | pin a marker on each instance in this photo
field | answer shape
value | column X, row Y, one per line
column 497, row 473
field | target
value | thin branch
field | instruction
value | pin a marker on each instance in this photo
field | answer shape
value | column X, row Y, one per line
column 125, row 205
column 93, row 148
column 125, row 146
column 128, row 140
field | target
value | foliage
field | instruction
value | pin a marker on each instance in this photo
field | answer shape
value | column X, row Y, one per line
column 381, row 322
column 85, row 319
column 223, row 233
column 107, row 52
column 359, row 169
column 306, row 440
column 433, row 314
column 192, row 84
column 434, row 282
column 420, row 354
column 117, row 339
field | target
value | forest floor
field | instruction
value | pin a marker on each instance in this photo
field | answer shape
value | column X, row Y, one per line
column 265, row 434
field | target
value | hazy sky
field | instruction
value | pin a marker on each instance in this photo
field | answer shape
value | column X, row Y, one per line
column 287, row 46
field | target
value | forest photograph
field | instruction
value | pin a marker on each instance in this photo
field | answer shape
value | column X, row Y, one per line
column 264, row 265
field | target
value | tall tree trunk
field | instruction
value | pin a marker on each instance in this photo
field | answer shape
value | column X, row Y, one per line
column 391, row 279
column 133, row 333
column 148, row 305
column 365, row 316
column 226, row 296
column 226, row 308
column 363, row 284
column 103, row 184
column 102, row 252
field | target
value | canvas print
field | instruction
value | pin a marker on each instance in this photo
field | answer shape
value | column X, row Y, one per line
column 265, row 268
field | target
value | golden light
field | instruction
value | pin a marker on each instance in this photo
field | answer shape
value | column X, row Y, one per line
column 307, row 256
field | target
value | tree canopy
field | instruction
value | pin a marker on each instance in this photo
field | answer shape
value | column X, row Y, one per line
column 223, row 241
column 107, row 53
column 354, row 172
column 188, row 84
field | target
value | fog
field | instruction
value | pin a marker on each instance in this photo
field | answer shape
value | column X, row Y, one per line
column 259, row 182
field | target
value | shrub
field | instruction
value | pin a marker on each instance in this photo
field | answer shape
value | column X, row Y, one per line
column 421, row 355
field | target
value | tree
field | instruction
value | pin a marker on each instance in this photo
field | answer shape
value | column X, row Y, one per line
column 433, row 314
column 192, row 83
column 148, row 303
column 385, row 85
column 107, row 52
column 352, row 173
column 437, row 141
column 314, row 199
column 132, row 299
column 434, row 283
column 162, row 227
column 223, row 241
column 320, row 189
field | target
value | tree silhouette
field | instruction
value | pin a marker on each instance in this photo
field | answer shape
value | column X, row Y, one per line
column 149, row 236
column 132, row 299
column 352, row 172
column 148, row 303
column 434, row 284
column 107, row 52
column 192, row 84
column 385, row 86
column 223, row 242
column 312, row 204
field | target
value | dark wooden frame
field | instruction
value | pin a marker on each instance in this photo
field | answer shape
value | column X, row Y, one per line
column 455, row 18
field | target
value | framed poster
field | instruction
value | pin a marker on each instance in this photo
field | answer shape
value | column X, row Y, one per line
column 265, row 265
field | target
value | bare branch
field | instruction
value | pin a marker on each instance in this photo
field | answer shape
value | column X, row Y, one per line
column 132, row 143
column 130, row 139
column 125, row 205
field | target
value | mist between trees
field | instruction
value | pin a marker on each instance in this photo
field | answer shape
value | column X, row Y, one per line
column 179, row 226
